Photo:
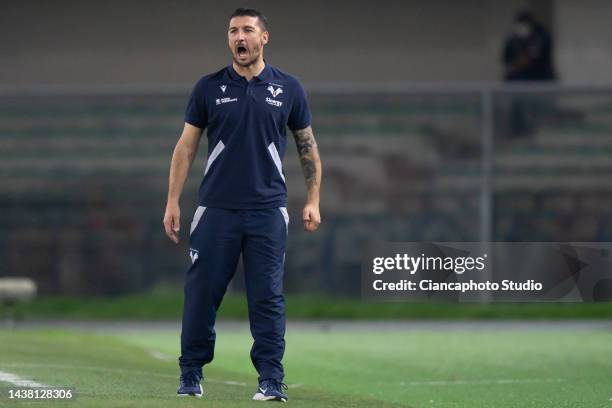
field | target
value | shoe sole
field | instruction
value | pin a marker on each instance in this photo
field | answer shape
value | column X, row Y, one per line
column 192, row 394
column 260, row 397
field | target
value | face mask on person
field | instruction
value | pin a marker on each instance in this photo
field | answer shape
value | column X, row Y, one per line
column 522, row 30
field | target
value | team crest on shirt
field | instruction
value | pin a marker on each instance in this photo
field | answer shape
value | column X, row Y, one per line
column 275, row 92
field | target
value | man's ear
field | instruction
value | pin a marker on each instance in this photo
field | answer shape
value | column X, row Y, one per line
column 265, row 37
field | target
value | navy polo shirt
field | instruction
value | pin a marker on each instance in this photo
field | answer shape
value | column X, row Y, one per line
column 246, row 123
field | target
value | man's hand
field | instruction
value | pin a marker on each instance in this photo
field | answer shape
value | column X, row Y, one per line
column 172, row 221
column 311, row 217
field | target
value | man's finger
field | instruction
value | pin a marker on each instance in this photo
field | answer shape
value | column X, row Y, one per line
column 174, row 237
column 167, row 227
column 171, row 233
column 306, row 218
column 175, row 229
column 310, row 227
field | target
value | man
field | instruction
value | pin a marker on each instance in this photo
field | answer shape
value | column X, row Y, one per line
column 246, row 108
column 528, row 51
column 527, row 56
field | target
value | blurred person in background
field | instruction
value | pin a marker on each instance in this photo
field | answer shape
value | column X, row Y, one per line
column 528, row 51
column 527, row 56
column 246, row 107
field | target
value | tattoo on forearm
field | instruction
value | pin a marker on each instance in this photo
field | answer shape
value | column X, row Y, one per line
column 310, row 170
column 304, row 140
column 309, row 155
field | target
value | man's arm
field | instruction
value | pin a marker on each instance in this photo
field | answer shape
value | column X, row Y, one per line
column 311, row 167
column 182, row 158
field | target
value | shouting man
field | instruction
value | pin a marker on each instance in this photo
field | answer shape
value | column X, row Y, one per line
column 242, row 200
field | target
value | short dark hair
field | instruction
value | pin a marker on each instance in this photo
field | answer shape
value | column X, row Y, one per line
column 263, row 21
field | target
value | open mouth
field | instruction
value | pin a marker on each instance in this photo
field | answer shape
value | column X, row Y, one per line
column 241, row 51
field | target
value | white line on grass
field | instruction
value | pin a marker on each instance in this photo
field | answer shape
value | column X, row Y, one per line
column 297, row 385
column 482, row 382
column 158, row 355
column 116, row 370
column 20, row 382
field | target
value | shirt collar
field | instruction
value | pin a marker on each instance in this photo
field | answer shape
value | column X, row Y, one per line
column 266, row 73
column 263, row 75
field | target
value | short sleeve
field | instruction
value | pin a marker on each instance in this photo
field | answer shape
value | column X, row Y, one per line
column 299, row 117
column 196, row 113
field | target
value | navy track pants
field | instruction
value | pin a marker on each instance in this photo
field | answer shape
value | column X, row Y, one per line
column 217, row 238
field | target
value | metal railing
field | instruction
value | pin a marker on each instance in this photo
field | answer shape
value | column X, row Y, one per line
column 84, row 173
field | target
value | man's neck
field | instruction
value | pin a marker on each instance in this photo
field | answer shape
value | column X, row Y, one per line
column 250, row 71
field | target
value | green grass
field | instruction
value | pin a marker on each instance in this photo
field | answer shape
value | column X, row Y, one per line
column 328, row 369
column 166, row 304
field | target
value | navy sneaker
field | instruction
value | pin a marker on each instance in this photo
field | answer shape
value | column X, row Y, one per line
column 190, row 385
column 271, row 390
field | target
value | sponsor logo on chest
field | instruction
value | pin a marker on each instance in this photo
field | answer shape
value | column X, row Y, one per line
column 274, row 102
column 220, row 101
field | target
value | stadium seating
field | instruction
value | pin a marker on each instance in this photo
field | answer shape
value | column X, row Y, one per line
column 85, row 178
